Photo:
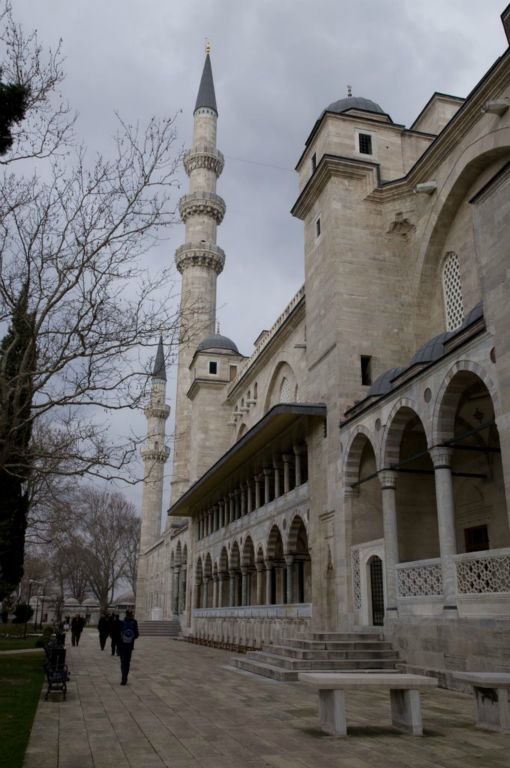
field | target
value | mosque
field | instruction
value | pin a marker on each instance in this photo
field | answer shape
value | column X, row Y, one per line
column 352, row 476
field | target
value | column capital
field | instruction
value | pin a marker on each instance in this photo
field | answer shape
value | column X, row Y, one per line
column 286, row 457
column 388, row 479
column 259, row 566
column 289, row 559
column 351, row 492
column 267, row 471
column 441, row 456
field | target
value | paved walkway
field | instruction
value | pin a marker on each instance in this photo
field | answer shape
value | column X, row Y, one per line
column 184, row 707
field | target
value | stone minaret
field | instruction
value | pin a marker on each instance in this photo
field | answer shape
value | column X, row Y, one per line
column 154, row 454
column 199, row 261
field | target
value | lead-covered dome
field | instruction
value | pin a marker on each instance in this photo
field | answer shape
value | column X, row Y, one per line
column 354, row 102
column 217, row 343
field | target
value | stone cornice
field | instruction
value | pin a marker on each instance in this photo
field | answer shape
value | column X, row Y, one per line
column 205, row 384
column 329, row 166
column 202, row 204
column 201, row 254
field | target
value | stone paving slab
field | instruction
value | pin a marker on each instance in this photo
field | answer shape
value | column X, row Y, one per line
column 186, row 707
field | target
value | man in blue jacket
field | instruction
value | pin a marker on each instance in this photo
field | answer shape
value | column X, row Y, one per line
column 128, row 635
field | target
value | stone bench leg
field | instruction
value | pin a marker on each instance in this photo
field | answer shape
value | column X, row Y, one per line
column 491, row 709
column 406, row 711
column 332, row 712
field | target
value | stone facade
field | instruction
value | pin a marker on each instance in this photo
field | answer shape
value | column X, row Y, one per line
column 355, row 469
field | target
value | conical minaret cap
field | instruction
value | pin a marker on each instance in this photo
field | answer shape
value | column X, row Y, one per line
column 206, row 96
column 159, row 371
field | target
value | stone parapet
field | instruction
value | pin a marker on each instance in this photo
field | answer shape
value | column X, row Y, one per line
column 200, row 255
column 155, row 454
column 203, row 156
column 202, row 204
column 157, row 411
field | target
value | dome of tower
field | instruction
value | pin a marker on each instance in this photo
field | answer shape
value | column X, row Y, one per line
column 354, row 102
column 218, row 343
column 432, row 350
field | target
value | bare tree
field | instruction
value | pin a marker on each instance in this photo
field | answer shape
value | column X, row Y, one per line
column 76, row 299
column 107, row 530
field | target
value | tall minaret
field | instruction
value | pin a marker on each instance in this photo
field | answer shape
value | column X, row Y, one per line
column 154, row 454
column 199, row 261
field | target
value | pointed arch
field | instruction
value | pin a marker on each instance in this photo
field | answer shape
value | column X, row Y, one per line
column 283, row 383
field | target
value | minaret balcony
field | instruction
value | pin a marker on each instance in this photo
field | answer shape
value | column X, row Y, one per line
column 203, row 156
column 157, row 411
column 202, row 204
column 202, row 254
column 150, row 453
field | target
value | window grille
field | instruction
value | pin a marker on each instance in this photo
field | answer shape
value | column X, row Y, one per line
column 452, row 290
column 365, row 144
column 285, row 391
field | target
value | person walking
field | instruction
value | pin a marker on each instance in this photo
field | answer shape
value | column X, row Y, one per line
column 103, row 629
column 77, row 625
column 115, row 625
column 128, row 635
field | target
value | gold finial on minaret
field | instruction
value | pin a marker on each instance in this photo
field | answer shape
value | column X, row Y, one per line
column 207, row 46
column 349, row 90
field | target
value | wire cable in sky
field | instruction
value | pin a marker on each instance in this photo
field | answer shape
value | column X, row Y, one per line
column 255, row 162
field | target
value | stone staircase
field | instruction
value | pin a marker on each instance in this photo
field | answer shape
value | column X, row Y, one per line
column 320, row 652
column 170, row 628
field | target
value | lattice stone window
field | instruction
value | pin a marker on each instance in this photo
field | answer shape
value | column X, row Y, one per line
column 452, row 291
column 285, row 391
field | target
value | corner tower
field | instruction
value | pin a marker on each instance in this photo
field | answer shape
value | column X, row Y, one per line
column 154, row 454
column 199, row 261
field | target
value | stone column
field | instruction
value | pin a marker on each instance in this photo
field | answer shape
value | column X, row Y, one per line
column 244, row 586
column 243, row 500
column 267, row 484
column 286, row 457
column 257, row 490
column 215, row 517
column 196, row 593
column 215, row 592
column 249, row 499
column 221, row 511
column 388, row 481
column 289, row 563
column 441, row 458
column 232, row 588
column 269, row 567
column 260, row 583
column 221, row 580
column 297, row 466
column 276, row 468
column 231, row 516
column 177, row 602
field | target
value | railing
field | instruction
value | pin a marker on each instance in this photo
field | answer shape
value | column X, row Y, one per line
column 420, row 578
column 284, row 611
column 483, row 572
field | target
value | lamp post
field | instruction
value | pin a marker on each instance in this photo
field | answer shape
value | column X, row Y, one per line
column 30, row 582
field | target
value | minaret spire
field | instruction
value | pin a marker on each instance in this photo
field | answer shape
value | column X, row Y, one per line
column 199, row 261
column 159, row 370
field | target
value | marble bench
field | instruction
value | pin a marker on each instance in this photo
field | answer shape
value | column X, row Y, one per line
column 404, row 695
column 491, row 698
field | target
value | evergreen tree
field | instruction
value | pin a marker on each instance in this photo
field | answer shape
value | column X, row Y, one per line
column 17, row 364
column 13, row 105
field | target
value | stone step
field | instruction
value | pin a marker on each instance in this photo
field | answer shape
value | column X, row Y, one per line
column 266, row 670
column 338, row 645
column 170, row 628
column 321, row 654
column 328, row 637
column 286, row 662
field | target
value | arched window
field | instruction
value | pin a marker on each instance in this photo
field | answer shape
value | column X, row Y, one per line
column 452, row 291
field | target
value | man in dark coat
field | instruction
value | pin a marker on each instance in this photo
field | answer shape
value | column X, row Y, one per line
column 77, row 625
column 128, row 635
column 103, row 629
column 115, row 624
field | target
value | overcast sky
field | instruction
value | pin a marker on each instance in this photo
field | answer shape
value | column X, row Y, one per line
column 277, row 64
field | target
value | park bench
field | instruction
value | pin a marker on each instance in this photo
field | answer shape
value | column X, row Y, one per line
column 57, row 672
column 404, row 695
column 491, row 698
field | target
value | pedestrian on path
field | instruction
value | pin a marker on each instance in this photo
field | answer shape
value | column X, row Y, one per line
column 103, row 629
column 115, row 624
column 128, row 635
column 77, row 625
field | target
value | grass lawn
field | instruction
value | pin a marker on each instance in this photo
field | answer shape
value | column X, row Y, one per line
column 14, row 643
column 21, row 680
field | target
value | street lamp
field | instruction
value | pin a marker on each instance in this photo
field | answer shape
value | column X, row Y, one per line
column 30, row 582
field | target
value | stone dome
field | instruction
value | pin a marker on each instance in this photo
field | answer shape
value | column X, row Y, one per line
column 383, row 384
column 354, row 102
column 432, row 350
column 218, row 343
